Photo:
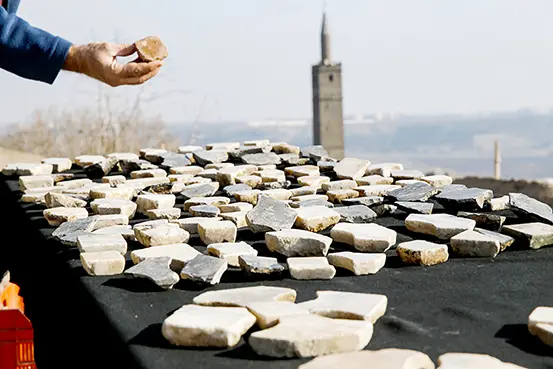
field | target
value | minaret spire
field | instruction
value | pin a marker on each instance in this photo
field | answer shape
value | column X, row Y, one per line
column 325, row 42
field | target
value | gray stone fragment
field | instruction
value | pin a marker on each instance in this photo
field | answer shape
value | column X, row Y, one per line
column 290, row 158
column 261, row 159
column 297, row 242
column 204, row 269
column 259, row 265
column 204, row 157
column 504, row 240
column 232, row 189
column 237, row 154
column 157, row 270
column 68, row 232
column 274, row 185
column 100, row 169
column 311, row 202
column 173, row 159
column 355, row 214
column 468, row 199
column 326, row 166
column 205, row 211
column 492, row 222
column 415, row 207
column 366, row 200
column 531, row 208
column 414, row 192
column 385, row 209
column 200, row 190
column 532, row 235
column 270, row 215
column 128, row 166
column 316, row 152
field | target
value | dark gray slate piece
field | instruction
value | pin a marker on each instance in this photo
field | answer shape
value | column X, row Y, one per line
column 173, row 159
column 200, row 190
column 355, row 214
column 365, row 200
column 232, row 189
column 415, row 207
column 204, row 157
column 261, row 159
column 100, row 169
column 204, row 269
column 270, row 215
column 493, row 222
column 311, row 202
column 504, row 240
column 385, row 209
column 316, row 152
column 530, row 208
column 204, row 211
column 468, row 199
column 274, row 185
column 128, row 166
column 68, row 232
column 413, row 192
column 156, row 270
column 259, row 265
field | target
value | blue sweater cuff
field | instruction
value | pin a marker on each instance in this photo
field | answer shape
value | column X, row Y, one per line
column 56, row 60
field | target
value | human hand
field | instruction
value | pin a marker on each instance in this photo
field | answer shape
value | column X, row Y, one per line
column 99, row 61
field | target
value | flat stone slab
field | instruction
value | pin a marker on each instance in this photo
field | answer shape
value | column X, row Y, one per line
column 532, row 235
column 415, row 207
column 312, row 267
column 383, row 169
column 493, row 222
column 376, row 190
column 472, row 243
column 297, row 242
column 351, row 168
column 230, row 251
column 235, row 207
column 103, row 263
column 154, row 201
column 499, row 203
column 58, row 164
column 366, row 201
column 200, row 190
column 438, row 180
column 311, row 335
column 169, row 213
column 303, row 171
column 532, row 208
column 148, row 173
column 358, row 263
column 256, row 265
column 261, row 158
column 180, row 254
column 232, row 189
column 245, row 296
column 270, row 215
column 124, row 230
column 442, row 226
column 540, row 315
column 504, row 240
column 336, row 196
column 355, row 214
column 204, row 211
column 204, row 157
column 414, row 192
column 238, row 218
column 315, row 152
column 406, row 174
column 191, row 224
column 456, row 360
column 313, row 181
column 364, row 237
column 57, row 216
column 250, row 180
column 157, row 270
column 422, row 253
column 207, row 326
column 316, row 218
column 102, row 242
column 344, row 184
column 268, row 314
column 29, row 182
column 391, row 358
column 161, row 235
column 311, row 202
column 212, row 201
column 374, row 180
column 303, row 191
column 125, row 193
column 469, row 199
column 204, row 269
column 217, row 232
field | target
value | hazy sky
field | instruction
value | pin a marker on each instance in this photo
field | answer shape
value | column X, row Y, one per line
column 251, row 59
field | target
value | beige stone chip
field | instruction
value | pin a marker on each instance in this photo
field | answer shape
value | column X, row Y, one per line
column 103, row 263
column 358, row 263
column 180, row 254
column 269, row 313
column 245, row 296
column 313, row 267
column 454, row 360
column 422, row 253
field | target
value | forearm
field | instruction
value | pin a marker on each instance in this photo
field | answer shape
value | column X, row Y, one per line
column 30, row 52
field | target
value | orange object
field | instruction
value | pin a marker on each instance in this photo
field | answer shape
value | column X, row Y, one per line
column 10, row 299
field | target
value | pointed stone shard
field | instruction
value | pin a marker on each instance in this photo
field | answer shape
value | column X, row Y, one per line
column 366, row 201
column 442, row 226
column 68, row 232
column 268, row 314
column 199, row 190
column 504, row 240
column 532, row 235
column 364, row 237
column 454, row 360
column 422, row 253
column 99, row 242
column 316, row 218
column 415, row 192
column 472, row 243
column 245, row 296
column 156, row 270
column 180, row 254
column 391, row 358
column 103, row 263
column 355, row 214
column 270, row 215
column 415, row 207
column 469, row 199
column 101, row 168
column 296, row 242
column 230, row 251
column 204, row 269
column 311, row 335
column 347, row 305
column 358, row 263
column 531, row 208
column 217, row 232
column 351, row 168
column 493, row 222
column 57, row 216
column 206, row 326
column 259, row 265
column 161, row 235
column 312, row 267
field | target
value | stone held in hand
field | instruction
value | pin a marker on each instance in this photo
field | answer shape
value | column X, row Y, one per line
column 151, row 48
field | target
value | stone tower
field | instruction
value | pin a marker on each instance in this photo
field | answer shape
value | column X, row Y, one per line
column 328, row 124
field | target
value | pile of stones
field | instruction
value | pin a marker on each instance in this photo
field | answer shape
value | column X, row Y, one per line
column 307, row 213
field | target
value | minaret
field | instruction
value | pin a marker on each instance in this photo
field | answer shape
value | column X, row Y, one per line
column 328, row 125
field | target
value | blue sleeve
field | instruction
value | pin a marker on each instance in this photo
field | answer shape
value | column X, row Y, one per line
column 30, row 52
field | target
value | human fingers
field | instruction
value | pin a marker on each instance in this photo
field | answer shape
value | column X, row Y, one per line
column 124, row 49
column 133, row 69
column 141, row 79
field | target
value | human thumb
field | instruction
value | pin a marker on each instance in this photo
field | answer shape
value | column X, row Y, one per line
column 124, row 49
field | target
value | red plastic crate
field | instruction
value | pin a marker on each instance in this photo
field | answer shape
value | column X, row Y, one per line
column 17, row 349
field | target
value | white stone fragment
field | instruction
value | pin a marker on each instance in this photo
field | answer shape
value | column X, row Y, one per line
column 438, row 180
column 358, row 263
column 125, row 193
column 316, row 218
column 364, row 237
column 376, row 190
column 420, row 252
column 191, row 224
column 85, row 160
column 148, row 173
column 102, row 242
column 296, row 242
column 217, row 232
column 383, row 169
column 103, row 263
column 114, row 180
column 154, row 201
column 314, row 267
column 54, row 200
column 188, row 149
column 540, row 315
column 234, row 207
column 124, row 230
column 57, row 216
column 114, row 206
column 180, row 254
column 472, row 243
column 374, row 179
column 166, row 213
column 230, row 251
column 76, row 183
column 213, row 201
column 313, row 181
column 302, row 171
column 28, row 182
column 161, row 235
column 351, row 168
column 58, row 164
column 268, row 314
column 442, row 226
column 245, row 296
column 344, row 184
column 237, row 217
column 455, row 360
column 500, row 203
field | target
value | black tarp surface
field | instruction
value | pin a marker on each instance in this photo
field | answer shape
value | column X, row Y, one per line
column 476, row 305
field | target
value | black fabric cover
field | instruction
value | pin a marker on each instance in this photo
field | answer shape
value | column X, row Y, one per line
column 477, row 305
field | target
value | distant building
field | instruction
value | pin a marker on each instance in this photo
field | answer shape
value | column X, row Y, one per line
column 328, row 124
